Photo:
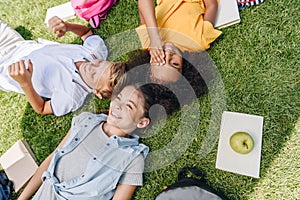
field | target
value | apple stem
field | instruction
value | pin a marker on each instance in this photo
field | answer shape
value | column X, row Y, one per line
column 245, row 144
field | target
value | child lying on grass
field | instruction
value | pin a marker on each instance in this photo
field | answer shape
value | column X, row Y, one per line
column 64, row 73
column 100, row 157
column 182, row 26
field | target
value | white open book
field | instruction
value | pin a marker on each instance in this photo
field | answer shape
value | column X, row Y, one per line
column 64, row 11
column 228, row 14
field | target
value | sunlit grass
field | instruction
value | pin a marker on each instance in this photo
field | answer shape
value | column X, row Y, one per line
column 258, row 61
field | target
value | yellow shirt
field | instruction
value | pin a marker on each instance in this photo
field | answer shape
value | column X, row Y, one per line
column 181, row 22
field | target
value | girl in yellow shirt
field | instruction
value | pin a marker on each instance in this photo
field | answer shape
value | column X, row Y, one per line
column 182, row 25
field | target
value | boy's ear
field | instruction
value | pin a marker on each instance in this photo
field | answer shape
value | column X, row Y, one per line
column 97, row 93
column 143, row 123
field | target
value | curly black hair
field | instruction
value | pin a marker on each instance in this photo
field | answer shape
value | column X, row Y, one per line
column 197, row 69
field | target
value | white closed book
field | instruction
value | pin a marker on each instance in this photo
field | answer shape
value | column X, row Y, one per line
column 19, row 164
column 228, row 159
column 228, row 14
column 64, row 11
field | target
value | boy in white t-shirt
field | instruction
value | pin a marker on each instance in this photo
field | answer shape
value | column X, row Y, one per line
column 64, row 73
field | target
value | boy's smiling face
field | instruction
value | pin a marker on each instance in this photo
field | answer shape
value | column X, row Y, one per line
column 96, row 74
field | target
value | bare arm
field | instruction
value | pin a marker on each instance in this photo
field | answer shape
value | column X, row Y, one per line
column 147, row 16
column 22, row 75
column 124, row 192
column 60, row 27
column 211, row 10
column 36, row 181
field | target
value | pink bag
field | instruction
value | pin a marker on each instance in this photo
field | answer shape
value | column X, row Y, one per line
column 93, row 11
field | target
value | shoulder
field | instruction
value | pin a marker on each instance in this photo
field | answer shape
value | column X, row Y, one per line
column 144, row 150
column 93, row 40
column 137, row 165
column 93, row 37
column 96, row 45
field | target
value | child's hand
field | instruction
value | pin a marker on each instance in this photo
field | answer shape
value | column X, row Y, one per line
column 157, row 56
column 58, row 26
column 98, row 94
column 20, row 74
column 156, row 51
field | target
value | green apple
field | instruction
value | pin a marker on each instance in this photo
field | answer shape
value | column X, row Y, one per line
column 241, row 142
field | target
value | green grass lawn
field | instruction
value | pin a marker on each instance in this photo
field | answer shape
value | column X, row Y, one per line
column 258, row 62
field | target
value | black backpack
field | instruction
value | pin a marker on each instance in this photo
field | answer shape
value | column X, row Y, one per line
column 189, row 188
column 6, row 186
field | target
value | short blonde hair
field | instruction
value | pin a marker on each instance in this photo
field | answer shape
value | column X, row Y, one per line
column 117, row 75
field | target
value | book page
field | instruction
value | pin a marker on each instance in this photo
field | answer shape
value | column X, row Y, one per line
column 228, row 14
column 64, row 11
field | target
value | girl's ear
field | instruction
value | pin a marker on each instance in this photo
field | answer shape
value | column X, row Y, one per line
column 97, row 93
column 143, row 123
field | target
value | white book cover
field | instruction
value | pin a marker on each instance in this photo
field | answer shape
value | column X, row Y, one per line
column 19, row 164
column 227, row 158
column 64, row 11
column 228, row 14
